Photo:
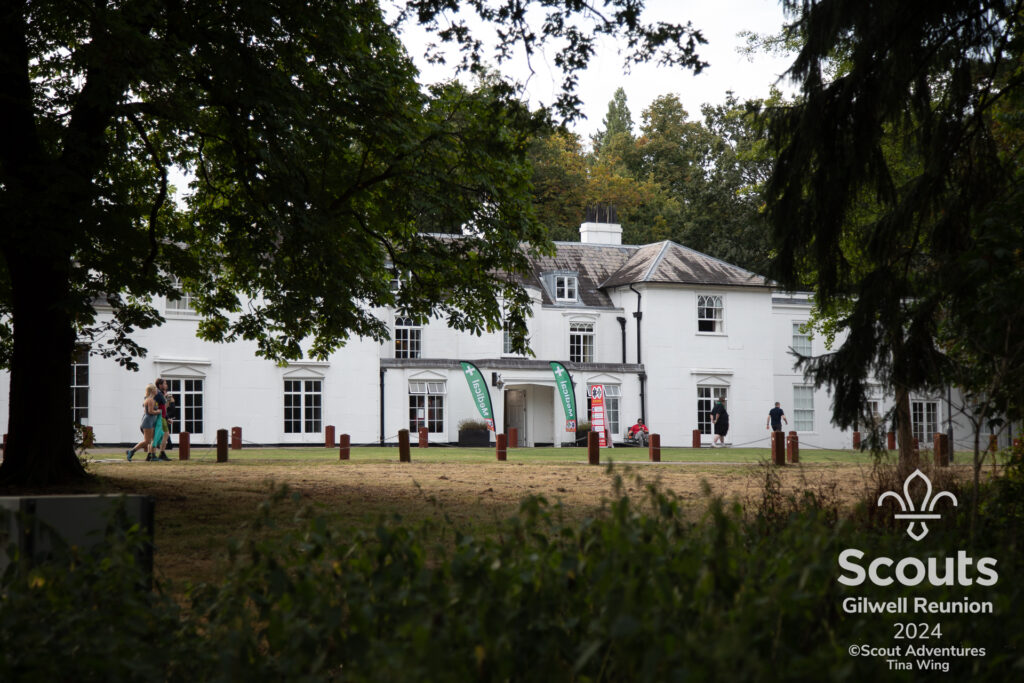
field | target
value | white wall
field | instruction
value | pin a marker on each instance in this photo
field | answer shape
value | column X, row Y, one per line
column 750, row 357
column 678, row 357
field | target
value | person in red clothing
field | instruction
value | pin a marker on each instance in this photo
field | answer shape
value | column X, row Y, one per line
column 638, row 432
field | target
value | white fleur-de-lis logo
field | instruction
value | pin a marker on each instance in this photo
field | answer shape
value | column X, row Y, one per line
column 907, row 505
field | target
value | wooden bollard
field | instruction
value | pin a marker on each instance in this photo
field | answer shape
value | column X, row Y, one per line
column 696, row 439
column 343, row 447
column 778, row 448
column 792, row 448
column 403, row 446
column 856, row 441
column 654, row 447
column 88, row 440
column 184, row 445
column 424, row 436
column 236, row 439
column 329, row 436
column 222, row 445
column 513, row 437
column 890, row 441
column 940, row 443
column 993, row 443
column 593, row 448
column 502, row 445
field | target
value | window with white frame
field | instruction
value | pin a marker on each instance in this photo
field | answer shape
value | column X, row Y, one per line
column 80, row 385
column 566, row 287
column 408, row 338
column 182, row 305
column 506, row 344
column 710, row 317
column 188, row 395
column 426, row 405
column 875, row 412
column 801, row 340
column 706, row 399
column 803, row 408
column 581, row 341
column 303, row 406
column 924, row 420
column 612, row 398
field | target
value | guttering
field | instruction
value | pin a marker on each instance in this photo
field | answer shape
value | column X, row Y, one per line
column 622, row 325
column 382, row 371
column 638, row 314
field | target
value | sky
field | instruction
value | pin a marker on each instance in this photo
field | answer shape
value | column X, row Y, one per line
column 719, row 20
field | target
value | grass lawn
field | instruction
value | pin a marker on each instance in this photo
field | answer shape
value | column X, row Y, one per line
column 374, row 454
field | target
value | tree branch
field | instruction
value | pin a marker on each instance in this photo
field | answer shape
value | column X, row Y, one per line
column 161, row 198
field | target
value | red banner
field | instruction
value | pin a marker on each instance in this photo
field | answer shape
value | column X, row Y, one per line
column 597, row 417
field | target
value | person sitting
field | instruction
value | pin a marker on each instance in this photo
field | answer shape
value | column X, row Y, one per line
column 638, row 432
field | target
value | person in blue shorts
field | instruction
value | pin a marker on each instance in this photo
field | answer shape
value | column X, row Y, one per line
column 150, row 414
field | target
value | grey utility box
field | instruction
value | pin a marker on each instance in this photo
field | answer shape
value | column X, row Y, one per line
column 39, row 525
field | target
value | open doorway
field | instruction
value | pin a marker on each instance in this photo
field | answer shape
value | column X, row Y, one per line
column 515, row 414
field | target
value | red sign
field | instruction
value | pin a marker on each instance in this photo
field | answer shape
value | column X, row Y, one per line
column 597, row 417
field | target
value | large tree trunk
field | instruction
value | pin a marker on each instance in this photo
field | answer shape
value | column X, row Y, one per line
column 40, row 438
column 904, row 432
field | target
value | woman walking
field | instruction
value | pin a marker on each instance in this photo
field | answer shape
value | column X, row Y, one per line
column 150, row 414
column 720, row 420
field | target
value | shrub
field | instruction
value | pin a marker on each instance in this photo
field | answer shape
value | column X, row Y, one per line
column 637, row 592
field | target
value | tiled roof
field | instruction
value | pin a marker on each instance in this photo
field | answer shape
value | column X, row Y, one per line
column 601, row 266
column 594, row 263
column 671, row 263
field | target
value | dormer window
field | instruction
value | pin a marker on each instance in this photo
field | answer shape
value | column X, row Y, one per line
column 565, row 287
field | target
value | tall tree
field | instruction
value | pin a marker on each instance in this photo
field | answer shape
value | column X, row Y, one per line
column 888, row 173
column 617, row 133
column 560, row 179
column 321, row 166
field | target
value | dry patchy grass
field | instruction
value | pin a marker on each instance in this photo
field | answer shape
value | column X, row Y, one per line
column 202, row 504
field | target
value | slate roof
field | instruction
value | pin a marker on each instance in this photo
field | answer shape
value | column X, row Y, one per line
column 604, row 266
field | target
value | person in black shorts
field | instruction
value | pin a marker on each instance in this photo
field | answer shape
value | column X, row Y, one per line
column 776, row 416
column 720, row 420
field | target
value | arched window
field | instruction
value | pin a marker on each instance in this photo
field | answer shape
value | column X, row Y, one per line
column 184, row 304
column 407, row 338
column 581, row 341
column 710, row 311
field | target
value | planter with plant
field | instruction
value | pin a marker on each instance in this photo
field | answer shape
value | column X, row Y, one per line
column 474, row 433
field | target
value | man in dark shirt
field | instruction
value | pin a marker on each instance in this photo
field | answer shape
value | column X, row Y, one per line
column 775, row 418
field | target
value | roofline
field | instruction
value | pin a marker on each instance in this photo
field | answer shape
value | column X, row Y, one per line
column 657, row 260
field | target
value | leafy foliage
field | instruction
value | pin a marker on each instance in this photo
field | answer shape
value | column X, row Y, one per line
column 896, row 190
column 638, row 592
column 695, row 182
column 322, row 168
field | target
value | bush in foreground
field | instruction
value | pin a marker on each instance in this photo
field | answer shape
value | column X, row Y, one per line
column 637, row 593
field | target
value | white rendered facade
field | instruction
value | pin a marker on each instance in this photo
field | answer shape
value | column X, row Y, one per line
column 702, row 334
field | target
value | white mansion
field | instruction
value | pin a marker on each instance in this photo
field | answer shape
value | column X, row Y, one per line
column 665, row 329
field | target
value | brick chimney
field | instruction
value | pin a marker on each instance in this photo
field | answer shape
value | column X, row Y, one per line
column 601, row 226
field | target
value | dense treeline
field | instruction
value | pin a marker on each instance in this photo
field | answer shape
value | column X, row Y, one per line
column 697, row 182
